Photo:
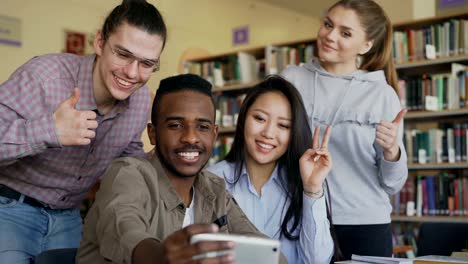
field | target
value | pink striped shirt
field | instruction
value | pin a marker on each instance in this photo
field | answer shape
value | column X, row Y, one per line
column 32, row 161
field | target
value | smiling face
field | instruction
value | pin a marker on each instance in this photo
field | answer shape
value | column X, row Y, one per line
column 114, row 81
column 267, row 128
column 185, row 132
column 340, row 39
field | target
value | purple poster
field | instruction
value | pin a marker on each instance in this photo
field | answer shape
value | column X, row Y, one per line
column 451, row 3
column 240, row 35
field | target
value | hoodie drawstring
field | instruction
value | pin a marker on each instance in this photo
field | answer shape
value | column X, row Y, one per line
column 340, row 104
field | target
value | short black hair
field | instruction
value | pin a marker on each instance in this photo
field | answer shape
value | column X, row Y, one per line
column 182, row 82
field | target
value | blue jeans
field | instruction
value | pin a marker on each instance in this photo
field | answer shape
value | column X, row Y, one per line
column 26, row 231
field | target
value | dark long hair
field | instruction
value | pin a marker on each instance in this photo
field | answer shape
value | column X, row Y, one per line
column 300, row 139
column 378, row 28
column 137, row 13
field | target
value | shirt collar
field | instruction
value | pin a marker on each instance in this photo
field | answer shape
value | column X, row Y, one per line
column 168, row 194
column 274, row 175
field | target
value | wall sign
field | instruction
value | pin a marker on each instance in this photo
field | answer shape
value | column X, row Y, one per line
column 240, row 35
column 75, row 42
column 451, row 3
column 10, row 31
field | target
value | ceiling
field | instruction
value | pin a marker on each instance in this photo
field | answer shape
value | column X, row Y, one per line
column 314, row 8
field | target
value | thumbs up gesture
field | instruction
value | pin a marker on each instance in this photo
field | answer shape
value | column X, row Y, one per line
column 74, row 127
column 386, row 136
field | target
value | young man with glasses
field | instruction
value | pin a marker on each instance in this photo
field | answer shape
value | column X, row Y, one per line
column 63, row 119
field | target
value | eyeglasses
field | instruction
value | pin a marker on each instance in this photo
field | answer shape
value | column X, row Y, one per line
column 124, row 58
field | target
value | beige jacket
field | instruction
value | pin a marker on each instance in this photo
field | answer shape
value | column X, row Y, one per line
column 136, row 201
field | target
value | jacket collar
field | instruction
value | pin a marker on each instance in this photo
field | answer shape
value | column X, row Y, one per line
column 204, row 195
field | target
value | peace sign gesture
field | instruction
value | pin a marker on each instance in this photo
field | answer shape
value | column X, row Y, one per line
column 315, row 164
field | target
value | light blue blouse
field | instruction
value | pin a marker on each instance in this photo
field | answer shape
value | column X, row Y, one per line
column 315, row 244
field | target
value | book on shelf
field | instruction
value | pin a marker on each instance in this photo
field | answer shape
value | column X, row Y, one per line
column 221, row 148
column 410, row 196
column 227, row 109
column 447, row 38
column 248, row 67
column 429, row 195
column 435, row 92
column 435, row 259
column 277, row 58
column 381, row 260
column 446, row 144
column 241, row 67
column 460, row 254
column 431, row 259
column 404, row 237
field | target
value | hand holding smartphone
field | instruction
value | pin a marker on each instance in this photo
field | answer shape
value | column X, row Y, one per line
column 247, row 250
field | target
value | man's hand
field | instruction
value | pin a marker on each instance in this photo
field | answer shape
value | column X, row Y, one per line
column 177, row 247
column 74, row 127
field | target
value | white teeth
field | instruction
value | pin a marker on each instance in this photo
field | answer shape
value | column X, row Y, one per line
column 265, row 146
column 189, row 155
column 122, row 81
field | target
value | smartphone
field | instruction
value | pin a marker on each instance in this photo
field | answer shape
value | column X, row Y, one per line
column 247, row 249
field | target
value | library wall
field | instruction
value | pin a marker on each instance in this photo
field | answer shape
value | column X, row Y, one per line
column 42, row 28
column 210, row 25
column 205, row 24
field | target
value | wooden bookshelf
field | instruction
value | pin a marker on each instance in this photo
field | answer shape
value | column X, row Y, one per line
column 432, row 114
column 235, row 86
column 438, row 166
column 432, row 219
column 426, row 182
column 257, row 51
column 437, row 61
column 420, row 23
column 226, row 130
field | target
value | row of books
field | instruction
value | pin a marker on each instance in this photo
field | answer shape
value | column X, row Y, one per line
column 449, row 38
column 447, row 144
column 221, row 149
column 238, row 68
column 227, row 109
column 443, row 194
column 244, row 67
column 435, row 92
column 405, row 234
column 278, row 58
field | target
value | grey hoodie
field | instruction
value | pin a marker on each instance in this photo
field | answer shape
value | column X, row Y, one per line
column 361, row 180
